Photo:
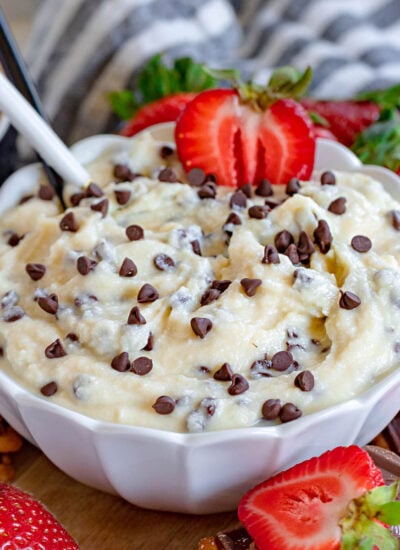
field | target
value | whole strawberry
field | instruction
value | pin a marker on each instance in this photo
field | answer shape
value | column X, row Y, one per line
column 26, row 525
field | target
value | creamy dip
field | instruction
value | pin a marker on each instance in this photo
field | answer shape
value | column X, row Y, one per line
column 156, row 303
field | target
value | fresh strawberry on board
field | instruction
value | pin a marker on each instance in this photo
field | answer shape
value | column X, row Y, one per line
column 248, row 133
column 337, row 501
column 161, row 93
column 26, row 524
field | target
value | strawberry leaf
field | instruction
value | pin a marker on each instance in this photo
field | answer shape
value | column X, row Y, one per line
column 386, row 99
column 123, row 103
column 390, row 513
column 380, row 144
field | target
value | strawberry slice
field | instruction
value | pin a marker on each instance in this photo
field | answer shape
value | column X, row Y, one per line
column 243, row 143
column 303, row 508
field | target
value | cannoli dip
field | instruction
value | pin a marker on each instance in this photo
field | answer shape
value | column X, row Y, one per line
column 163, row 300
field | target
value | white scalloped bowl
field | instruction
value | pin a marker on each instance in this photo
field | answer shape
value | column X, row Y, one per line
column 194, row 473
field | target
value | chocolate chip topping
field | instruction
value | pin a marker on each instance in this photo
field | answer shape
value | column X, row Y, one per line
column 134, row 232
column 323, row 236
column 209, row 296
column 349, row 300
column 150, row 343
column 304, row 380
column 395, row 214
column 305, row 246
column 258, row 211
column 168, row 175
column 282, row 240
column 207, row 191
column 166, row 151
column 201, row 326
column 221, row 285
column 147, row 294
column 123, row 173
column 360, row 243
column 224, row 373
column 12, row 314
column 101, row 206
column 264, row 189
column 234, row 219
column 93, row 190
column 292, row 254
column 281, row 360
column 142, row 366
column 76, row 198
column 247, row 189
column 293, row 187
column 236, row 539
column 49, row 303
column 69, row 223
column 164, row 405
column 238, row 385
column 35, row 271
column 55, row 350
column 73, row 337
column 135, row 317
column 338, row 206
column 196, row 177
column 121, row 362
column 85, row 265
column 122, row 196
column 250, row 285
column 128, row 268
column 271, row 408
column 50, row 388
column 328, row 178
column 289, row 412
column 196, row 247
column 13, row 238
column 163, row 262
column 238, row 199
column 46, row 192
column 271, row 255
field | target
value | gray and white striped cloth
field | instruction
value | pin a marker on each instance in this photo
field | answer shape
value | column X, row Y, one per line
column 80, row 50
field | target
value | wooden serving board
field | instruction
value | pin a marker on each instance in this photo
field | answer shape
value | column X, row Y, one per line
column 103, row 522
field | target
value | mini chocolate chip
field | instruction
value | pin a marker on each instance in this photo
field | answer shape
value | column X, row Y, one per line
column 122, row 196
column 121, row 362
column 238, row 385
column 264, row 188
column 328, row 178
column 35, row 271
column 163, row 262
column 207, row 191
column 349, row 300
column 93, row 190
column 123, row 173
column 258, row 211
column 360, row 243
column 55, row 350
column 323, row 236
column 69, row 223
column 164, row 405
column 101, row 206
column 73, row 337
column 46, row 192
column 293, row 187
column 305, row 246
column 166, row 151
column 135, row 317
column 147, row 294
column 260, row 367
column 150, row 343
column 221, row 285
column 282, row 240
column 338, row 206
column 234, row 219
column 395, row 214
column 247, row 189
column 281, row 360
column 209, row 296
column 128, row 268
column 238, row 199
column 12, row 314
column 304, row 380
column 271, row 255
column 134, row 232
column 142, row 366
column 196, row 177
column 49, row 303
column 196, row 247
column 292, row 254
column 201, row 326
column 50, row 388
column 25, row 199
column 76, row 198
column 271, row 203
column 85, row 265
column 13, row 238
column 168, row 175
column 224, row 373
column 271, row 408
column 289, row 412
column 250, row 285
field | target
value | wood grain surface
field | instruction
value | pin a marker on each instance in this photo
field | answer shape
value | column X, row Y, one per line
column 104, row 522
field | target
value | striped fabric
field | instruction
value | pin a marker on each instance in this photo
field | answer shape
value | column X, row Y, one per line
column 80, row 50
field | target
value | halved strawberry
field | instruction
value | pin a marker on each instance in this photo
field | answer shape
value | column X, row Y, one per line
column 241, row 142
column 316, row 504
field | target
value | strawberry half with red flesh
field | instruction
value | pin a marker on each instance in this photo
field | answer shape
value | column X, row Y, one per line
column 26, row 524
column 246, row 134
column 307, row 506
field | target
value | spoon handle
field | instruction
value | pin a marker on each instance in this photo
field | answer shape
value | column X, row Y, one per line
column 39, row 134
